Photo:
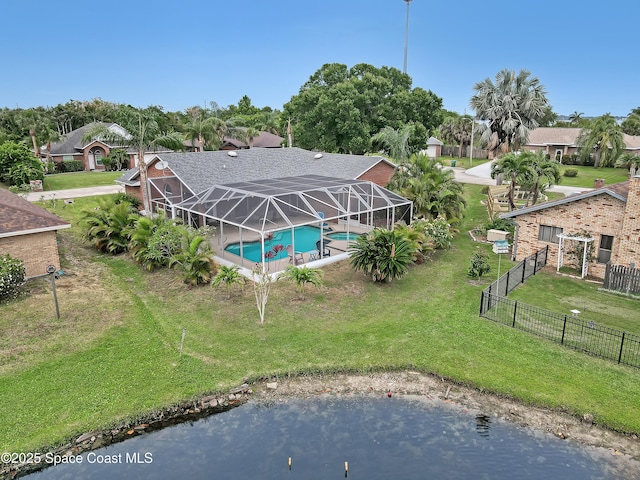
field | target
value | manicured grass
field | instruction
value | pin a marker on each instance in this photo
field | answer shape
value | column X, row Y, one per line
column 114, row 353
column 64, row 181
column 563, row 294
column 462, row 162
column 586, row 175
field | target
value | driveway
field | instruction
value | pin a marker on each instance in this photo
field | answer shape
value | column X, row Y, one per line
column 74, row 193
column 481, row 175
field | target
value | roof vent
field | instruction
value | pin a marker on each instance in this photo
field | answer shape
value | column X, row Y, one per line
column 317, row 156
column 231, row 153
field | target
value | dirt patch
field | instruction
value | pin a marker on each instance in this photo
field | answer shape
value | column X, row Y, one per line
column 623, row 450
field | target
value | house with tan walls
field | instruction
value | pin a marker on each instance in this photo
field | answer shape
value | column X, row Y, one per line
column 610, row 215
column 29, row 232
column 560, row 141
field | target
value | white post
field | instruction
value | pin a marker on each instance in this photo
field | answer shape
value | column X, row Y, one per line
column 584, row 259
column 473, row 124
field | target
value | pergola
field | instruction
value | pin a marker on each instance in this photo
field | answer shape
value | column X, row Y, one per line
column 255, row 210
column 565, row 236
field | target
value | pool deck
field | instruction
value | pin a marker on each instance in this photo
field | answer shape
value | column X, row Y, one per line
column 338, row 249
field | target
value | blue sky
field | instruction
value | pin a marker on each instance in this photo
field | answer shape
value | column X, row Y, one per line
column 179, row 54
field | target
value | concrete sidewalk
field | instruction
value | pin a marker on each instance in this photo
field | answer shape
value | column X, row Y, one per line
column 74, row 193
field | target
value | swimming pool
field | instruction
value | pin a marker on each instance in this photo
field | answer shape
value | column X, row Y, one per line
column 305, row 241
column 343, row 236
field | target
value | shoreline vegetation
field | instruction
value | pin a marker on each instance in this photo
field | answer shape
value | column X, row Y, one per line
column 113, row 356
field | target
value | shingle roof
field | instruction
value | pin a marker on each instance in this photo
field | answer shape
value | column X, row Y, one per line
column 616, row 190
column 553, row 136
column 200, row 171
column 264, row 140
column 72, row 141
column 542, row 136
column 18, row 216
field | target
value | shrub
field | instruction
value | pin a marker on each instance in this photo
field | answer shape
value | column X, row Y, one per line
column 70, row 166
column 440, row 232
column 132, row 200
column 479, row 265
column 497, row 223
column 383, row 254
column 484, row 190
column 12, row 275
column 571, row 172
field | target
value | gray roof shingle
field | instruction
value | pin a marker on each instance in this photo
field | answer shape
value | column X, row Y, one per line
column 200, row 171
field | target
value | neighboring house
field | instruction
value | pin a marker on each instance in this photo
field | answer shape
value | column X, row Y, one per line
column 72, row 147
column 174, row 177
column 264, row 140
column 558, row 142
column 434, row 148
column 28, row 232
column 611, row 215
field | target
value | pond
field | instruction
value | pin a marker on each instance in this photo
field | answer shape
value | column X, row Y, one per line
column 377, row 437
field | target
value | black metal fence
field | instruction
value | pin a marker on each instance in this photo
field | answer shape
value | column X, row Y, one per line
column 622, row 279
column 515, row 276
column 579, row 334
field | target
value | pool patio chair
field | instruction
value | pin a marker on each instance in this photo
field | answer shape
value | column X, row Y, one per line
column 324, row 252
column 322, row 223
column 294, row 257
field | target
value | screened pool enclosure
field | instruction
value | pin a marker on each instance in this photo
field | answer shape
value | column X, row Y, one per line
column 258, row 222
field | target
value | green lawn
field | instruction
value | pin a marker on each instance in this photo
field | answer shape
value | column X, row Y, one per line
column 563, row 294
column 113, row 354
column 64, row 181
column 586, row 175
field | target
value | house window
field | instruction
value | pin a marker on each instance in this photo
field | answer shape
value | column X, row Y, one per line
column 604, row 252
column 67, row 158
column 549, row 234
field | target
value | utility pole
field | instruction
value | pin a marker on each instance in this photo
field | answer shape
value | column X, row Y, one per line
column 406, row 37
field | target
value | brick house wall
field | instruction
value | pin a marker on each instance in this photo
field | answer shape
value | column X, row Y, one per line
column 24, row 246
column 379, row 174
column 598, row 215
column 629, row 248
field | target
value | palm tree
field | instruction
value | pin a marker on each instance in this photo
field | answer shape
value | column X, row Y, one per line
column 302, row 276
column 195, row 260
column 108, row 226
column 228, row 276
column 143, row 133
column 383, row 254
column 544, row 174
column 250, row 135
column 432, row 189
column 206, row 131
column 395, row 141
column 517, row 168
column 512, row 106
column 457, row 130
column 575, row 117
column 604, row 140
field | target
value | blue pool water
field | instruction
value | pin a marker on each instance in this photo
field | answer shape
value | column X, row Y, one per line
column 380, row 438
column 305, row 241
column 343, row 236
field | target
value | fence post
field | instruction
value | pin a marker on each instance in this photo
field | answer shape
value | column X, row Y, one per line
column 621, row 344
column 515, row 309
column 535, row 266
column 506, row 288
column 564, row 327
column 607, row 272
column 482, row 303
column 524, row 269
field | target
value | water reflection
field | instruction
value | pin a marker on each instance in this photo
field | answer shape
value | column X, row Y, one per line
column 482, row 425
column 380, row 438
